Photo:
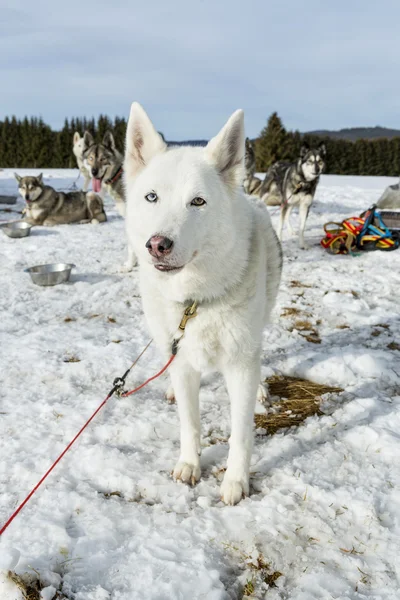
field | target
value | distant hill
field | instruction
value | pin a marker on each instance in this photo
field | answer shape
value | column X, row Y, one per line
column 351, row 133
column 358, row 133
column 189, row 143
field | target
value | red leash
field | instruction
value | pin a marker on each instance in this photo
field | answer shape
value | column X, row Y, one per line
column 111, row 393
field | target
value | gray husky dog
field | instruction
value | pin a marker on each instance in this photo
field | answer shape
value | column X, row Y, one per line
column 249, row 165
column 46, row 206
column 104, row 162
column 293, row 184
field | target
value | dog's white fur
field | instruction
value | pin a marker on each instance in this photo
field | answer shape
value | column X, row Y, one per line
column 77, row 149
column 231, row 261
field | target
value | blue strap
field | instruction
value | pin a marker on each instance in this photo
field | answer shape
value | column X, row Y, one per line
column 383, row 226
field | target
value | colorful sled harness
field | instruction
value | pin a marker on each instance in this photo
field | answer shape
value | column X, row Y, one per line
column 364, row 233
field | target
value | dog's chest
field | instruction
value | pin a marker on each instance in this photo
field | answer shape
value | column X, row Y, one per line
column 203, row 341
column 114, row 191
column 34, row 212
column 211, row 339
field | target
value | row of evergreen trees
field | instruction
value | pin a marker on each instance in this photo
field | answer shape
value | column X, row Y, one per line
column 32, row 143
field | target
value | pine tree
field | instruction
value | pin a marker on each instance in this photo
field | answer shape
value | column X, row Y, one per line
column 272, row 145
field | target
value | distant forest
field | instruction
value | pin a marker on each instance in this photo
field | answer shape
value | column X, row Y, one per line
column 31, row 143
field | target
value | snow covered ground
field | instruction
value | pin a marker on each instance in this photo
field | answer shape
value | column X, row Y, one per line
column 325, row 504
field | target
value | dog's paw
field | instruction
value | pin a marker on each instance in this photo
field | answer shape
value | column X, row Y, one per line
column 304, row 246
column 187, row 473
column 263, row 394
column 94, row 222
column 125, row 268
column 128, row 265
column 170, row 395
column 233, row 490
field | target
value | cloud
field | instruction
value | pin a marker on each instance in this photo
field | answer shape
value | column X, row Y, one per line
column 193, row 63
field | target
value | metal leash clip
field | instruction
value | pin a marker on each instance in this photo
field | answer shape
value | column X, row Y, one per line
column 118, row 386
column 190, row 313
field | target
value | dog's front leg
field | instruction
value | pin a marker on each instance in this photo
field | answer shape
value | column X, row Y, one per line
column 304, row 209
column 186, row 384
column 86, row 181
column 130, row 262
column 288, row 223
column 242, row 382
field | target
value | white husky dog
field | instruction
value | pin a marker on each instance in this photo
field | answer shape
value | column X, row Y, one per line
column 199, row 239
column 77, row 148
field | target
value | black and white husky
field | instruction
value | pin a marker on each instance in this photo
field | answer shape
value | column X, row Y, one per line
column 294, row 184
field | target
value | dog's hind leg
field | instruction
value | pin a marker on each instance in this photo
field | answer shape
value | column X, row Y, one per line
column 282, row 220
column 242, row 382
column 170, row 395
column 51, row 221
column 95, row 208
column 263, row 396
column 304, row 209
column 186, row 384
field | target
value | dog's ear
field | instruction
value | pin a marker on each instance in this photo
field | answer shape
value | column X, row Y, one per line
column 18, row 177
column 87, row 140
column 322, row 149
column 77, row 137
column 40, row 178
column 304, row 149
column 226, row 150
column 108, row 141
column 142, row 141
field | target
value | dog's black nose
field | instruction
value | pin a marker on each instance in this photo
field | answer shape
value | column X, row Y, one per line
column 159, row 245
column 27, row 197
column 94, row 172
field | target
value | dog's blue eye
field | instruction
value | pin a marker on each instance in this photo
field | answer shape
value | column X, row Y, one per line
column 152, row 197
column 198, row 201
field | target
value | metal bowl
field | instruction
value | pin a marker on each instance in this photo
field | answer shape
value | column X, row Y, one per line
column 18, row 229
column 52, row 274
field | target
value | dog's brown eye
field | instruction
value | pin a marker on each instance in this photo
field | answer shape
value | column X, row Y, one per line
column 198, row 201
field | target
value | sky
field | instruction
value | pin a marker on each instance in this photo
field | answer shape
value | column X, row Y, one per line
column 191, row 63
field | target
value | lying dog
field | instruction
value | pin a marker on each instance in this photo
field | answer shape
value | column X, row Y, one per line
column 198, row 238
column 292, row 184
column 46, row 206
column 77, row 149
